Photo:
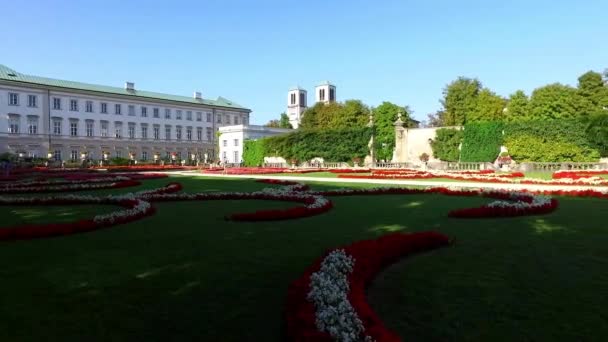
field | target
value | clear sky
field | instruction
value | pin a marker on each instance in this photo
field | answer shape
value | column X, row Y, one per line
column 252, row 52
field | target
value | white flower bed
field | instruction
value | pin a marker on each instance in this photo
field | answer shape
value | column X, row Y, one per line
column 329, row 293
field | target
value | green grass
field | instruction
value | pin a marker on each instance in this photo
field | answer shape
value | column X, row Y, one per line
column 185, row 274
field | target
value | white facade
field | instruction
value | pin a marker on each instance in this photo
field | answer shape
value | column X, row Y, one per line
column 325, row 92
column 232, row 138
column 296, row 105
column 37, row 119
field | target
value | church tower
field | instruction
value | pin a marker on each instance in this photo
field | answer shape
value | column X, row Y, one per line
column 325, row 92
column 296, row 105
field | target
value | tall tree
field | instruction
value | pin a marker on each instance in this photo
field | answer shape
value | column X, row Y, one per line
column 459, row 99
column 591, row 86
column 385, row 116
column 517, row 107
column 489, row 107
column 352, row 114
column 273, row 123
column 558, row 101
column 284, row 121
column 435, row 119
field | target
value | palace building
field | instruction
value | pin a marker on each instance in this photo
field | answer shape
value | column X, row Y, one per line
column 65, row 120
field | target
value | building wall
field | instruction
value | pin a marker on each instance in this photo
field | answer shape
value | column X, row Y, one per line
column 232, row 138
column 44, row 114
column 416, row 141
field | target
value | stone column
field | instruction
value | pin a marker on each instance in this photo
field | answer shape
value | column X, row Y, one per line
column 400, row 136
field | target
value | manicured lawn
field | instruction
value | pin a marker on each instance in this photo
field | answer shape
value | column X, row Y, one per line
column 185, row 274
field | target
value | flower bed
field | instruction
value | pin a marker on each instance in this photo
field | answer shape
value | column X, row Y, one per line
column 349, row 170
column 578, row 174
column 135, row 209
column 328, row 301
column 485, row 178
column 313, row 205
column 79, row 186
column 244, row 170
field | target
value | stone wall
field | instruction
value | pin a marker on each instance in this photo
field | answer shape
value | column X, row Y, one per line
column 410, row 143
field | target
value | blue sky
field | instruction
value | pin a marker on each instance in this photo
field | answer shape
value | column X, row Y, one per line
column 252, row 52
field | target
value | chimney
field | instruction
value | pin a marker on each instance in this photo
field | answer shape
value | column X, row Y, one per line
column 198, row 95
column 130, row 86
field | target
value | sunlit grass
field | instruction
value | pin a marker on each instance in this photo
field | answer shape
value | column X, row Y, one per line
column 186, row 274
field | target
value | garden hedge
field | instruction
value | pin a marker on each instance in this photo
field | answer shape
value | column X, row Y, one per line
column 336, row 145
column 550, row 141
column 481, row 142
column 446, row 142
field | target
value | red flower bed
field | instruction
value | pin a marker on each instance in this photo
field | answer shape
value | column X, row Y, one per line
column 349, row 170
column 35, row 231
column 69, row 187
column 143, row 168
column 244, row 170
column 486, row 211
column 578, row 174
column 371, row 256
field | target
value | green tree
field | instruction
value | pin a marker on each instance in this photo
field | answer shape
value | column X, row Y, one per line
column 321, row 115
column 489, row 107
column 459, row 99
column 517, row 107
column 385, row 116
column 352, row 114
column 596, row 129
column 284, row 121
column 558, row 101
column 446, row 143
column 273, row 123
column 591, row 86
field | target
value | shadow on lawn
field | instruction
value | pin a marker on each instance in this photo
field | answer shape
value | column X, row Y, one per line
column 186, row 274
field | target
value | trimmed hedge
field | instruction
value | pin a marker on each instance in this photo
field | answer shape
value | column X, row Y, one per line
column 446, row 142
column 253, row 153
column 550, row 141
column 481, row 142
column 336, row 145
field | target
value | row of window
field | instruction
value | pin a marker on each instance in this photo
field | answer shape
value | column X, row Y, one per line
column 75, row 155
column 32, row 128
column 225, row 142
column 32, row 101
column 235, row 157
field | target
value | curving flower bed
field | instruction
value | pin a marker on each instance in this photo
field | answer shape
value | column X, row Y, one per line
column 78, row 182
column 65, row 187
column 578, row 174
column 136, row 208
column 328, row 301
column 512, row 178
column 313, row 204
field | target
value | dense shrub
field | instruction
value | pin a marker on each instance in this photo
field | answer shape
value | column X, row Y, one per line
column 446, row 142
column 530, row 148
column 253, row 152
column 119, row 161
column 481, row 142
column 336, row 145
column 550, row 141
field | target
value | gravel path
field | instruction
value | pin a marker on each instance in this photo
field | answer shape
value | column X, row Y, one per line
column 532, row 187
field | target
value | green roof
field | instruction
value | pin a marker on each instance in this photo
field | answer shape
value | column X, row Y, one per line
column 11, row 75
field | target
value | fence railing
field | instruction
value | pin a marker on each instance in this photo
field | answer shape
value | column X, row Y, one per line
column 459, row 166
column 393, row 165
column 551, row 167
column 336, row 165
column 276, row 165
